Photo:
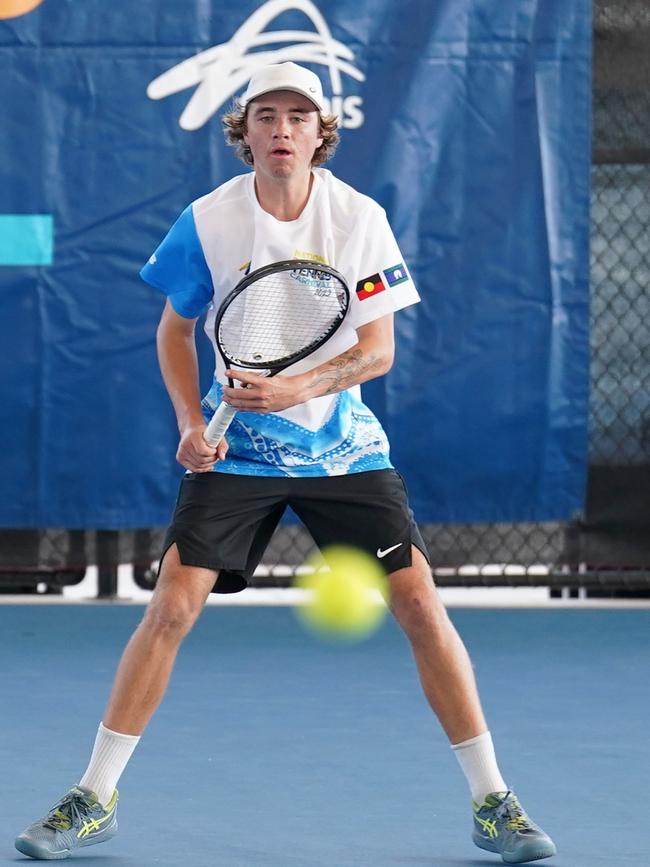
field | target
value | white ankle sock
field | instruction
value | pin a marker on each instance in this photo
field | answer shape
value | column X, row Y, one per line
column 111, row 752
column 479, row 764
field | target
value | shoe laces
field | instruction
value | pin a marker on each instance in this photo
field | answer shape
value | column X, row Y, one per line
column 511, row 810
column 70, row 810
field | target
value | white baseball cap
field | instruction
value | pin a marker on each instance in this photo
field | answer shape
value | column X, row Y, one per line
column 285, row 76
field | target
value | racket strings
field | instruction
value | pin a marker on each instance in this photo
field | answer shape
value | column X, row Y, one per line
column 281, row 315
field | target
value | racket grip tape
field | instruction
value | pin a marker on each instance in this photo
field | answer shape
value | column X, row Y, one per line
column 219, row 424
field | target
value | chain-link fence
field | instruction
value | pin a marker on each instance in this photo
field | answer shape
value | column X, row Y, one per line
column 610, row 548
column 616, row 535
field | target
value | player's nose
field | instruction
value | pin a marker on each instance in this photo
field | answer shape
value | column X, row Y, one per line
column 281, row 128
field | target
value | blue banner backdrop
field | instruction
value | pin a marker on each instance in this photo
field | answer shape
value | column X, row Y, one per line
column 468, row 120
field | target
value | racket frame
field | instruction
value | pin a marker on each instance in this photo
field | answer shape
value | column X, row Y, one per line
column 225, row 413
column 265, row 271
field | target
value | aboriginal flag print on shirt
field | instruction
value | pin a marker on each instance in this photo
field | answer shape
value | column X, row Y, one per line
column 369, row 286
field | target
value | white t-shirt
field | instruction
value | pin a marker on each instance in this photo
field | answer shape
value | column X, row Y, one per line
column 223, row 236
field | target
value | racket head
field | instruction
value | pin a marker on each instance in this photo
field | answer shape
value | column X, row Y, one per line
column 279, row 314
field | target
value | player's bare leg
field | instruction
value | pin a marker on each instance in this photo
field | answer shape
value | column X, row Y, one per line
column 146, row 665
column 443, row 663
column 501, row 825
column 87, row 814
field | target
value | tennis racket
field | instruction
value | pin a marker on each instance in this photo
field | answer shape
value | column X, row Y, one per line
column 275, row 316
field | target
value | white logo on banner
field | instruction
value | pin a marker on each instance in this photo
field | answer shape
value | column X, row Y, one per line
column 224, row 70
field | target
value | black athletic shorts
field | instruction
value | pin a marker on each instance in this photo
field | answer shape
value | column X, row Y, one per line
column 224, row 521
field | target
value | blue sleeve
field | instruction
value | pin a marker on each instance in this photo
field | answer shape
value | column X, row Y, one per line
column 178, row 268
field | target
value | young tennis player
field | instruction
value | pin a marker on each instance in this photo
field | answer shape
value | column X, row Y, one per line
column 302, row 438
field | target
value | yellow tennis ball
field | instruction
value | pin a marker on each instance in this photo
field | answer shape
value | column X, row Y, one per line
column 347, row 601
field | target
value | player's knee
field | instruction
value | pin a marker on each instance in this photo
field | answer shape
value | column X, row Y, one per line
column 417, row 612
column 170, row 618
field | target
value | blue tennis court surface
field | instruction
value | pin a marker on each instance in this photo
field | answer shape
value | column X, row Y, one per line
column 274, row 750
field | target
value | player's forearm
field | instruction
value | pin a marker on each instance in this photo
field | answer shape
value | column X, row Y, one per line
column 360, row 363
column 370, row 357
column 180, row 372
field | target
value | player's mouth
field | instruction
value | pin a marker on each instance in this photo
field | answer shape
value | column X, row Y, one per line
column 281, row 153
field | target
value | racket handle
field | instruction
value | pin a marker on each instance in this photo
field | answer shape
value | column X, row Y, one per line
column 219, row 424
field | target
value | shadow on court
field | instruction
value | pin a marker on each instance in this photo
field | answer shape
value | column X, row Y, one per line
column 436, row 861
column 253, row 857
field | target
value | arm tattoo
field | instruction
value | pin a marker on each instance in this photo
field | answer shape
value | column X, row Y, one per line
column 349, row 368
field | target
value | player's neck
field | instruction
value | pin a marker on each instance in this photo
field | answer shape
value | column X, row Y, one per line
column 283, row 198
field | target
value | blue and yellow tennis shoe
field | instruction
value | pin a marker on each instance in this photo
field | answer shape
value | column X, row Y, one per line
column 77, row 820
column 502, row 826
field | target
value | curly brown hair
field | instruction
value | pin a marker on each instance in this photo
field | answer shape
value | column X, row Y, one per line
column 234, row 123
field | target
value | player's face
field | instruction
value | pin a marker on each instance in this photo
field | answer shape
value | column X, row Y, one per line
column 283, row 131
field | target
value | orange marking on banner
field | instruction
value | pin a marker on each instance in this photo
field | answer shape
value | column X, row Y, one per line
column 15, row 8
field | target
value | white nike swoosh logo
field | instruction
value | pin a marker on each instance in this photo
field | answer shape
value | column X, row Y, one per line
column 381, row 553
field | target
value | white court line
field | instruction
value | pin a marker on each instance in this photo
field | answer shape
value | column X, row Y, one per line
column 454, row 597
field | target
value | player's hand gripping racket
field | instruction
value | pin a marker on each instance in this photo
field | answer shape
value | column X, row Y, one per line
column 275, row 316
